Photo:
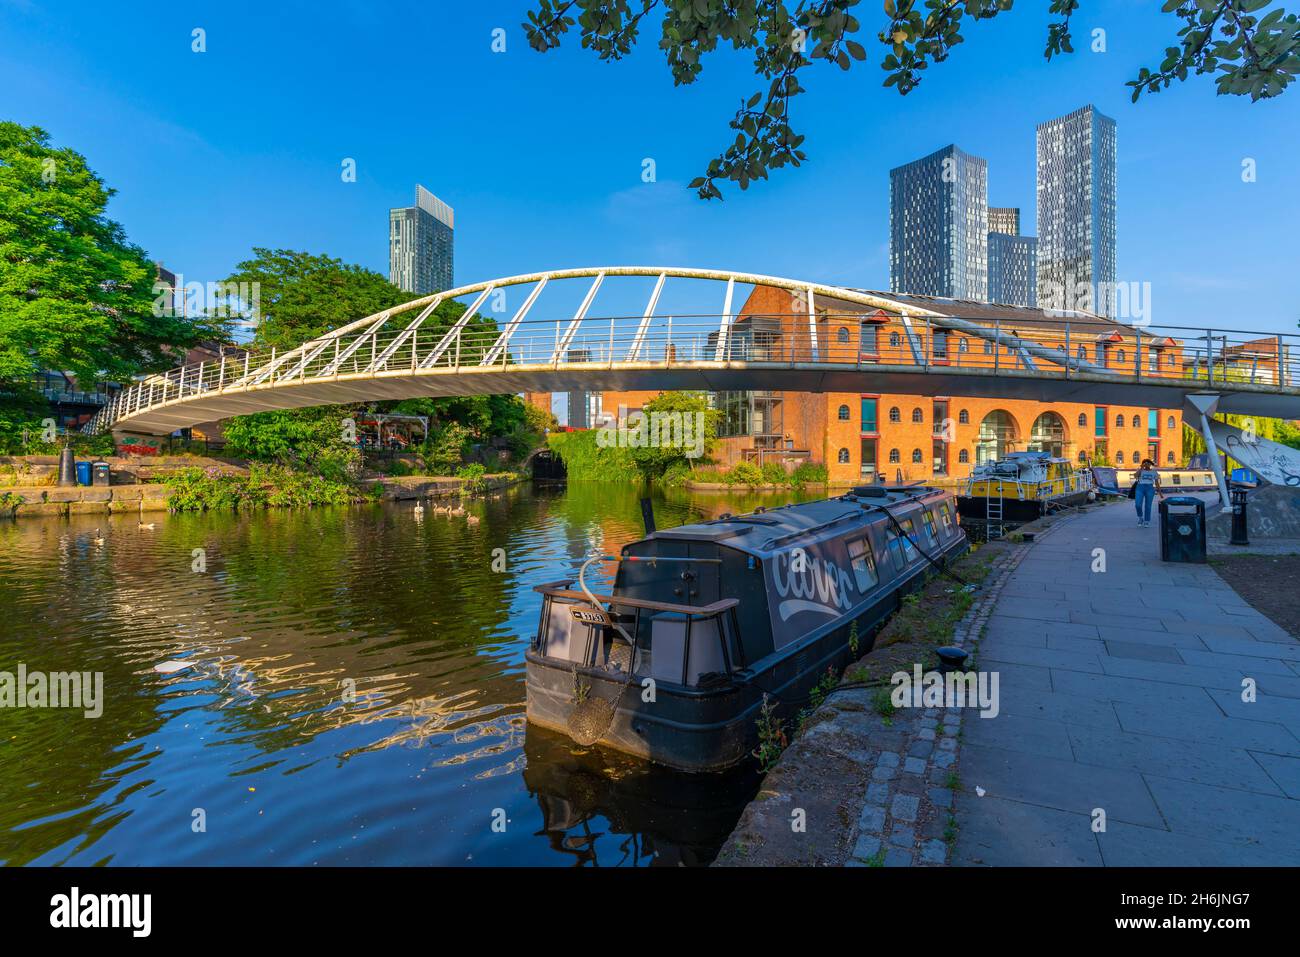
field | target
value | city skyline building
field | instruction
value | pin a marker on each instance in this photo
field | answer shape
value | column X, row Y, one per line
column 939, row 216
column 1005, row 220
column 421, row 244
column 1013, row 269
column 1076, row 211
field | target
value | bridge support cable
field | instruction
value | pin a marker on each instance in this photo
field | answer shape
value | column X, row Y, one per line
column 914, row 342
column 562, row 343
column 381, row 360
column 996, row 337
column 1206, row 404
column 812, row 323
column 503, row 340
column 724, row 327
column 342, row 355
column 432, row 358
column 643, row 328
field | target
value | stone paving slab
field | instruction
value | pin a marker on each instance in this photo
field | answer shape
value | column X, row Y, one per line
column 999, row 832
column 1284, row 769
column 1150, row 693
column 1064, row 708
column 1212, row 727
column 1125, row 845
column 1064, row 785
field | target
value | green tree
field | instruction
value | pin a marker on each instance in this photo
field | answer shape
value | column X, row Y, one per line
column 74, row 294
column 313, row 439
column 1253, row 52
column 302, row 295
column 698, row 433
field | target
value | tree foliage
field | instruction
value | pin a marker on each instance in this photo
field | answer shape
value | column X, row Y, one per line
column 75, row 296
column 1253, row 52
column 304, row 294
column 312, row 440
column 657, row 459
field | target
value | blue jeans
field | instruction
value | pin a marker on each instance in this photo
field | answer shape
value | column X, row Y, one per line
column 1143, row 496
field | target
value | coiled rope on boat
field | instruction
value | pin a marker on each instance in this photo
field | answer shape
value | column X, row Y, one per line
column 592, row 716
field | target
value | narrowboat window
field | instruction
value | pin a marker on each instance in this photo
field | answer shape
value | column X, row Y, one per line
column 864, row 564
column 908, row 548
column 928, row 518
column 895, row 549
column 945, row 517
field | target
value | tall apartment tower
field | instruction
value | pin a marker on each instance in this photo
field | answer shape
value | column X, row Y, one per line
column 1076, row 212
column 1013, row 269
column 420, row 244
column 1005, row 220
column 939, row 224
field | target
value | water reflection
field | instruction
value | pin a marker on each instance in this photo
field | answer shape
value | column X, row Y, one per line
column 351, row 693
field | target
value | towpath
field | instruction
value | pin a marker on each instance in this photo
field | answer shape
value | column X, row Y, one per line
column 1123, row 694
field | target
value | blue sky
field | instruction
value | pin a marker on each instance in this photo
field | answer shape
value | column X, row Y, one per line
column 541, row 155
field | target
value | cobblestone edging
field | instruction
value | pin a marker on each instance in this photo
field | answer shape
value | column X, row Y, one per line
column 907, row 818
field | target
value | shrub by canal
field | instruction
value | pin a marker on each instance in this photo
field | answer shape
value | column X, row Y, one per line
column 264, row 486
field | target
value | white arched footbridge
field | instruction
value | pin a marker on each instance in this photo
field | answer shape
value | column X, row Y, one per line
column 796, row 342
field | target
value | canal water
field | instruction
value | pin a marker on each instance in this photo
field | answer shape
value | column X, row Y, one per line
column 351, row 691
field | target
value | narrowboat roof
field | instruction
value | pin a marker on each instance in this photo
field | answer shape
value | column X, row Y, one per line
column 762, row 533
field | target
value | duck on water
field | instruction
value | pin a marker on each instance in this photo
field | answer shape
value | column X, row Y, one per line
column 707, row 619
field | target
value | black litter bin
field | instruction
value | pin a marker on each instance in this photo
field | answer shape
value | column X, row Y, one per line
column 99, row 471
column 1182, row 529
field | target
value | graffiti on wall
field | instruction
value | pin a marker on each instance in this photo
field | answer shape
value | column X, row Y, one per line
column 1274, row 463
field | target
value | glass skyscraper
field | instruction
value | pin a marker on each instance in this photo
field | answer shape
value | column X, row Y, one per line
column 1013, row 269
column 939, row 224
column 1004, row 219
column 420, row 244
column 1076, row 212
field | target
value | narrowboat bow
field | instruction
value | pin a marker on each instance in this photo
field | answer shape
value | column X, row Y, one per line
column 706, row 619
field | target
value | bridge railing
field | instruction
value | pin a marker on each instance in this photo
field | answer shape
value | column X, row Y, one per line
column 1049, row 347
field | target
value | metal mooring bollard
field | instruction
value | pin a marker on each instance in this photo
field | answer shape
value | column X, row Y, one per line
column 67, row 468
column 1239, row 536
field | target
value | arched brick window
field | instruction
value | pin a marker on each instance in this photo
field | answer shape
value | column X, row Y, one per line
column 963, row 456
column 894, row 414
column 893, row 455
column 844, row 456
column 963, row 417
column 916, row 455
column 918, row 415
column 844, row 413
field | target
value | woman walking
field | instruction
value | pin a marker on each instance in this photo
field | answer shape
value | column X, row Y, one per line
column 1145, row 483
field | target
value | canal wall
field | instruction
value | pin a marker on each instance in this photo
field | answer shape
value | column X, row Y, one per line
column 42, row 471
column 51, row 501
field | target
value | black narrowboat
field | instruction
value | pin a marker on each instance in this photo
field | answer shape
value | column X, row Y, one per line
column 707, row 619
